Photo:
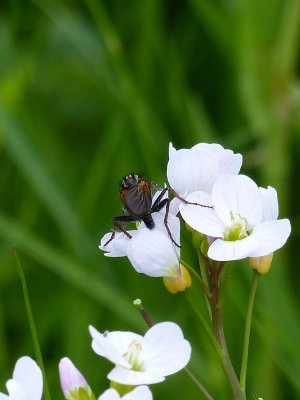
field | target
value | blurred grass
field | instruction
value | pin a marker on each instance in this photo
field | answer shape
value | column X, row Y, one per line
column 92, row 90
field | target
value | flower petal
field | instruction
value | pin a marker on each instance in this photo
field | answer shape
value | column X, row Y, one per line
column 237, row 195
column 191, row 170
column 118, row 246
column 222, row 250
column 130, row 377
column 212, row 147
column 112, row 345
column 270, row 236
column 109, row 394
column 229, row 163
column 152, row 253
column 166, row 349
column 27, row 374
column 270, row 203
column 139, row 393
column 202, row 219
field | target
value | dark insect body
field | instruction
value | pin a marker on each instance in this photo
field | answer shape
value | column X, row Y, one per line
column 136, row 195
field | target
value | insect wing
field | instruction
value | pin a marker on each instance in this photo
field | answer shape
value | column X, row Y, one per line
column 138, row 199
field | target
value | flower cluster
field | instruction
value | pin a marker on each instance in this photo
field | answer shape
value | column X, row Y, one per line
column 139, row 361
column 239, row 222
column 230, row 217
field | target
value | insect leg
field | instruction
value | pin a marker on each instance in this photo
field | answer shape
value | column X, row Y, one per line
column 123, row 218
column 166, row 223
column 158, row 204
column 173, row 193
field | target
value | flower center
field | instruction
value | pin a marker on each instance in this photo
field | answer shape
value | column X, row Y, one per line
column 238, row 228
column 134, row 356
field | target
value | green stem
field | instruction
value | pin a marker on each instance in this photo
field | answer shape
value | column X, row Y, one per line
column 238, row 394
column 204, row 278
column 217, row 322
column 34, row 335
column 198, row 277
column 200, row 386
column 243, row 374
column 207, row 330
column 223, row 286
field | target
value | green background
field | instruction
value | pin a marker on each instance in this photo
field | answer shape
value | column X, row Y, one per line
column 91, row 91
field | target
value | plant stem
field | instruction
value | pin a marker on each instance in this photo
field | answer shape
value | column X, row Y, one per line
column 204, row 278
column 200, row 386
column 208, row 330
column 223, row 286
column 243, row 374
column 198, row 277
column 217, row 322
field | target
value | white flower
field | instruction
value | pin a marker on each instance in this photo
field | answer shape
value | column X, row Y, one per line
column 242, row 220
column 72, row 380
column 151, row 251
column 26, row 383
column 138, row 393
column 191, row 170
column 143, row 360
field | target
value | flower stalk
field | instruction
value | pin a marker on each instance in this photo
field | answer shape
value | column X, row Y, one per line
column 217, row 323
column 243, row 374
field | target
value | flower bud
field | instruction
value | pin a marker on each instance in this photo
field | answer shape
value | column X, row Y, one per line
column 179, row 282
column 73, row 383
column 261, row 264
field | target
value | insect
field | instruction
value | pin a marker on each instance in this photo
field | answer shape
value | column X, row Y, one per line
column 136, row 195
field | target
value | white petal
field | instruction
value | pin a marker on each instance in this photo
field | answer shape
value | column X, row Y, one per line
column 270, row 203
column 202, row 219
column 222, row 250
column 130, row 377
column 3, row 396
column 152, row 253
column 159, row 224
column 112, row 345
column 237, row 195
column 118, row 246
column 166, row 350
column 172, row 150
column 28, row 376
column 192, row 170
column 173, row 224
column 270, row 236
column 109, row 394
column 174, row 206
column 15, row 391
column 212, row 147
column 139, row 393
column 229, row 163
